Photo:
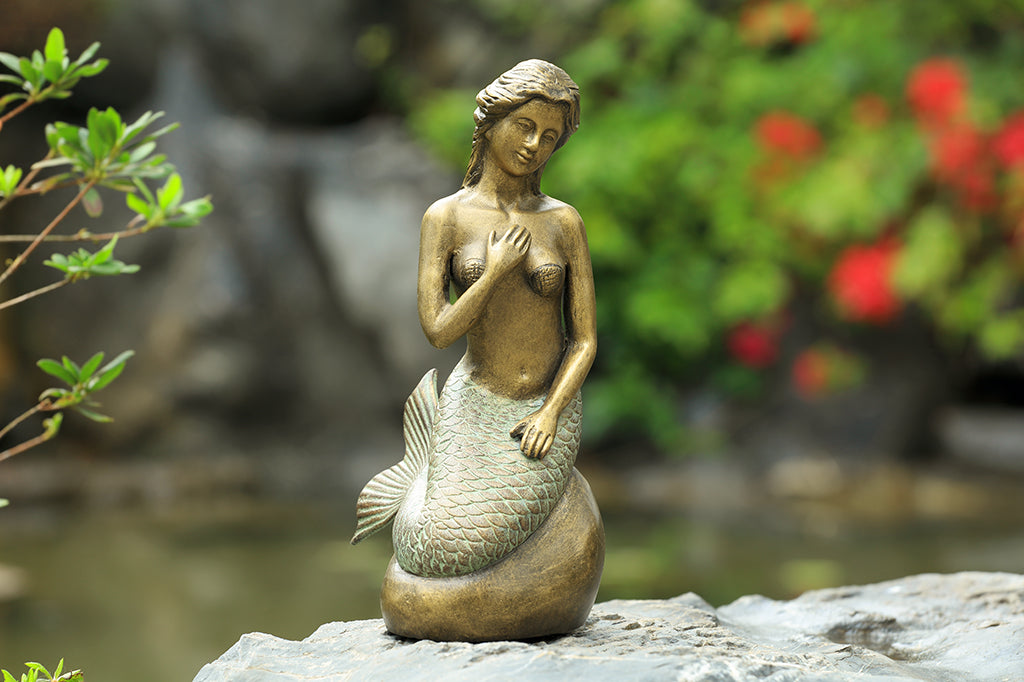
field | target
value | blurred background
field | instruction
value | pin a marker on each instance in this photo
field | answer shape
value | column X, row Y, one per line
column 806, row 219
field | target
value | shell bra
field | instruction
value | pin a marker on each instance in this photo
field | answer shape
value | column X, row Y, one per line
column 465, row 496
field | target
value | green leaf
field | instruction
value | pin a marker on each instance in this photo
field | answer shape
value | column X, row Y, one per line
column 104, row 254
column 90, row 366
column 13, row 97
column 52, row 425
column 144, row 190
column 60, row 394
column 133, row 129
column 141, row 152
column 71, row 366
column 3, row 503
column 10, row 61
column 95, row 416
column 28, row 71
column 53, row 71
column 138, row 205
column 55, row 50
column 39, row 668
column 109, row 372
column 99, row 137
column 197, row 208
column 55, row 369
column 169, row 196
column 87, row 54
column 93, row 69
column 92, row 202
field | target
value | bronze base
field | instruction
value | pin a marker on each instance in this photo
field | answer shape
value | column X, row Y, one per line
column 545, row 587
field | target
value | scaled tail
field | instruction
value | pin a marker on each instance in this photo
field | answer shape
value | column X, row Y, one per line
column 383, row 495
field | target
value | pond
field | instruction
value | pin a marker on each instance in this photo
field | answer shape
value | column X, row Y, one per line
column 132, row 594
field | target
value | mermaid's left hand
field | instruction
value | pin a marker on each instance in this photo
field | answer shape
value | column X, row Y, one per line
column 538, row 432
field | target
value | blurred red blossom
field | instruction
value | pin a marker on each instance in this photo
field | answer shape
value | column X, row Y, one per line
column 766, row 23
column 860, row 282
column 754, row 344
column 960, row 158
column 956, row 151
column 1008, row 144
column 798, row 22
column 936, row 90
column 787, row 134
column 976, row 189
column 810, row 373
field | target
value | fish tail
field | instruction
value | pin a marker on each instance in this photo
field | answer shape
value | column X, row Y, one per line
column 383, row 495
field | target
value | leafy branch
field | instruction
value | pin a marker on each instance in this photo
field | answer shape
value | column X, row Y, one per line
column 107, row 153
column 82, row 382
column 35, row 670
column 49, row 74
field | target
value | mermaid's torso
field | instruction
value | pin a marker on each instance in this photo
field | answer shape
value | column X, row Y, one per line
column 479, row 497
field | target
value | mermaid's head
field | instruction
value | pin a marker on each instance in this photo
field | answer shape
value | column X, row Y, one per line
column 529, row 80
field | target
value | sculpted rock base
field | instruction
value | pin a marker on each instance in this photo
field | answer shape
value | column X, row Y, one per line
column 547, row 586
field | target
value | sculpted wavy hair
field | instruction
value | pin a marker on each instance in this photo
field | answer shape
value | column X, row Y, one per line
column 532, row 79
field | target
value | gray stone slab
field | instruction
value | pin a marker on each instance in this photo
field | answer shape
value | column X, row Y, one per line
column 966, row 627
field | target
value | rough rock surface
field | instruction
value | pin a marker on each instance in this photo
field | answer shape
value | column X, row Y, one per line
column 966, row 627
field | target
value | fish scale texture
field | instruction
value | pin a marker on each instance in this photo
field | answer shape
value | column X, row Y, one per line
column 483, row 497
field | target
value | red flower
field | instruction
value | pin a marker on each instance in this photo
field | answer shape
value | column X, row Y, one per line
column 871, row 111
column 1008, row 145
column 787, row 134
column 860, row 282
column 936, row 89
column 810, row 373
column 798, row 22
column 753, row 345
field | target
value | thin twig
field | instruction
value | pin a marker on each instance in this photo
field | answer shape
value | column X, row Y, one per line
column 38, row 407
column 84, row 235
column 17, row 262
column 32, row 294
column 17, row 110
column 27, row 445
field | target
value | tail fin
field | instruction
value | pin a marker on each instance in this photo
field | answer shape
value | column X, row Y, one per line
column 383, row 495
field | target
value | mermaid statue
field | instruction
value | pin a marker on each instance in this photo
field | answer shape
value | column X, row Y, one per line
column 496, row 535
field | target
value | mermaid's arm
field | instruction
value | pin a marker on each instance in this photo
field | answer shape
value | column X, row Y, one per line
column 444, row 322
column 538, row 429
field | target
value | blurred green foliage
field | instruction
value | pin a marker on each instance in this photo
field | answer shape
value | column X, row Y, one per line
column 735, row 156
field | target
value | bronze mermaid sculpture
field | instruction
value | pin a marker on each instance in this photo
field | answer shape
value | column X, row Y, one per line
column 496, row 535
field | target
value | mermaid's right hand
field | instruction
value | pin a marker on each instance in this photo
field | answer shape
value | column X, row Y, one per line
column 504, row 253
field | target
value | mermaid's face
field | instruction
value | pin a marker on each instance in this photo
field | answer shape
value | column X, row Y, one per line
column 524, row 140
